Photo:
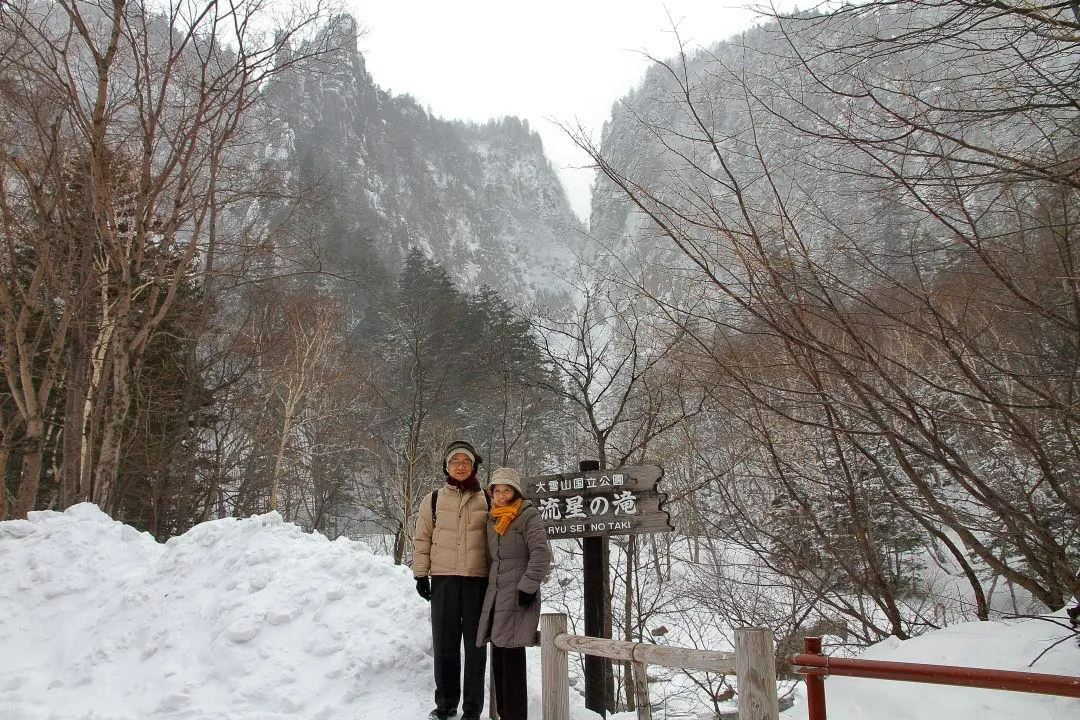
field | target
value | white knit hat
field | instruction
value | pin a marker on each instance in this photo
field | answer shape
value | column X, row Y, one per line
column 461, row 451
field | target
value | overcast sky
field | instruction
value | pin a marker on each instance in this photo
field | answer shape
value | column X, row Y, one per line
column 543, row 61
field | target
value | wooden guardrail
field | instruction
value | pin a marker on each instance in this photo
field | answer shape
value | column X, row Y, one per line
column 753, row 663
column 815, row 666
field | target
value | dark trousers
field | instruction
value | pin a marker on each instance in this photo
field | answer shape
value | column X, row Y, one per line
column 511, row 685
column 456, row 602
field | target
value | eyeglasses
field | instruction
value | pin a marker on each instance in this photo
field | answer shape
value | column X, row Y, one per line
column 463, row 461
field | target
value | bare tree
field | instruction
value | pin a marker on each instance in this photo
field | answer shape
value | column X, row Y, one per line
column 876, row 263
column 613, row 369
column 626, row 393
column 130, row 118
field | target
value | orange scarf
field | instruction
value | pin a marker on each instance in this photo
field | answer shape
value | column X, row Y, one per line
column 505, row 515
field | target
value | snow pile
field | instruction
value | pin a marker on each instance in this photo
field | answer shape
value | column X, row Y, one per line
column 236, row 618
column 254, row 619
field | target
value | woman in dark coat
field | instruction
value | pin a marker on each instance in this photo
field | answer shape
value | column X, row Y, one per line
column 520, row 560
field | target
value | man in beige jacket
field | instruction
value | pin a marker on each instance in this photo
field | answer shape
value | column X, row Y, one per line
column 450, row 565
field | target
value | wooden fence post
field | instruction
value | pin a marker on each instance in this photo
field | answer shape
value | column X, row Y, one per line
column 640, row 689
column 554, row 669
column 755, row 671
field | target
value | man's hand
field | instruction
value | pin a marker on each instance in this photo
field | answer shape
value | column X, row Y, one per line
column 526, row 599
column 423, row 588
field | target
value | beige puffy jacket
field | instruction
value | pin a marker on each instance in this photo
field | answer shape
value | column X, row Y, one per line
column 456, row 543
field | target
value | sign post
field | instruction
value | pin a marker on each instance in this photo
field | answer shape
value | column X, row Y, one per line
column 595, row 504
column 599, row 678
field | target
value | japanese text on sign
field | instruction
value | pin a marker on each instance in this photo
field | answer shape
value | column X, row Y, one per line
column 562, row 484
column 599, row 502
column 574, row 507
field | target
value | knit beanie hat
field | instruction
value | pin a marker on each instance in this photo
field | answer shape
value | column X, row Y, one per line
column 460, row 446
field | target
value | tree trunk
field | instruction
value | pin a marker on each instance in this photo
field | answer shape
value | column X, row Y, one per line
column 112, row 435
column 5, row 453
column 31, row 468
column 74, row 422
column 279, row 452
column 400, row 539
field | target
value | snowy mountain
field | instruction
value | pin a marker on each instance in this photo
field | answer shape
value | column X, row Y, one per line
column 746, row 138
column 482, row 200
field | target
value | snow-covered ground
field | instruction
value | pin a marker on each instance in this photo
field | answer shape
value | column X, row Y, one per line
column 245, row 619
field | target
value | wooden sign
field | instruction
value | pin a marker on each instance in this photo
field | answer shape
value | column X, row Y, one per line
column 623, row 501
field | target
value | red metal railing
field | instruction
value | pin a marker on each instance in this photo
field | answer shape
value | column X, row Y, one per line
column 816, row 667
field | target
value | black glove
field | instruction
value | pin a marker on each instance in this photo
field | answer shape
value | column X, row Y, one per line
column 526, row 599
column 423, row 588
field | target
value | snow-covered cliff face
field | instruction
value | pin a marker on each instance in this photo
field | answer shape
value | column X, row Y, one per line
column 765, row 151
column 705, row 168
column 482, row 200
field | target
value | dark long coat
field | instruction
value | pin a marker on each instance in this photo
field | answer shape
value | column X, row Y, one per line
column 520, row 560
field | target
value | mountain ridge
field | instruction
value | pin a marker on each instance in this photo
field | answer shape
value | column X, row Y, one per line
column 481, row 199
